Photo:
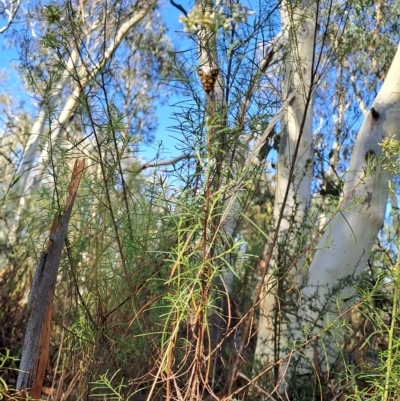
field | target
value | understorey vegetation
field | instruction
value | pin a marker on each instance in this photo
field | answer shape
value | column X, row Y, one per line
column 248, row 251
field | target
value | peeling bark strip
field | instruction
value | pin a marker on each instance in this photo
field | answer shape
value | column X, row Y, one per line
column 36, row 344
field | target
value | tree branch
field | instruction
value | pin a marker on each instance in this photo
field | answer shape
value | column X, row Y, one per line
column 179, row 7
column 11, row 14
column 166, row 162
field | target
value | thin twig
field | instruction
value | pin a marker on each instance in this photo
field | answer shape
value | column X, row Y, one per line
column 166, row 162
column 179, row 7
column 243, row 376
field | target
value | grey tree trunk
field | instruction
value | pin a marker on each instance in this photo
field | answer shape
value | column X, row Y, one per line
column 42, row 291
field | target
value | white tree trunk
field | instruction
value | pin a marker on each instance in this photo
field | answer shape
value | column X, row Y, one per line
column 295, row 163
column 347, row 241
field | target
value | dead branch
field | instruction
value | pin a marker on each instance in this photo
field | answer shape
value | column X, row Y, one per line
column 36, row 344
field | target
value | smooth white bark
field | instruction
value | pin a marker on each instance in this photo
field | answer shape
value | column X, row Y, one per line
column 347, row 241
column 295, row 162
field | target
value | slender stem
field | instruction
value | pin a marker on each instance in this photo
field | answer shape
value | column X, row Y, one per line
column 390, row 356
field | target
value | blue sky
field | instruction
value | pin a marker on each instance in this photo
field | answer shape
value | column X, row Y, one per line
column 164, row 134
column 11, row 84
column 9, row 60
column 165, row 139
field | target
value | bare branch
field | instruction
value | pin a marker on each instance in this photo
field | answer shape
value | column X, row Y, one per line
column 179, row 7
column 122, row 32
column 270, row 53
column 361, row 103
column 166, row 162
column 14, row 6
column 251, row 158
column 269, row 58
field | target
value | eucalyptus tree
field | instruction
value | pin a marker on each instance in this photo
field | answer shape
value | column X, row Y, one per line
column 295, row 164
column 69, row 53
column 167, row 267
column 317, row 43
column 347, row 241
column 352, row 226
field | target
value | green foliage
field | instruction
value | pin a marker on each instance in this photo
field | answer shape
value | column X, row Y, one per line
column 160, row 270
column 390, row 154
column 5, row 359
column 52, row 13
column 106, row 389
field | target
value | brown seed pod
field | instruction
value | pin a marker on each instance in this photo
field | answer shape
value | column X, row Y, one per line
column 208, row 80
